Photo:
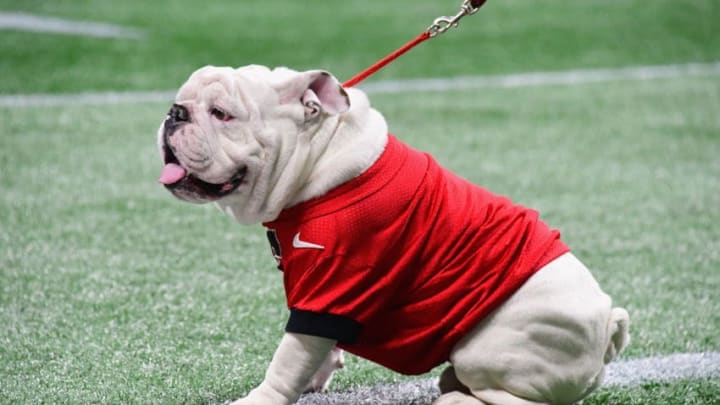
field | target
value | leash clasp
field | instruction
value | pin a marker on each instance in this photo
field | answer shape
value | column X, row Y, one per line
column 442, row 24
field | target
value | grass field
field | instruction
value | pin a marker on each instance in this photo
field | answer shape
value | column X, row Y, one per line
column 113, row 292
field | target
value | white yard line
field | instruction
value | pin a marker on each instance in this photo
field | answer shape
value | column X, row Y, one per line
column 110, row 97
column 37, row 23
column 569, row 77
column 620, row 373
column 667, row 368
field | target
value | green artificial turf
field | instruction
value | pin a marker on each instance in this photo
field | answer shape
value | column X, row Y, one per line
column 699, row 392
column 111, row 291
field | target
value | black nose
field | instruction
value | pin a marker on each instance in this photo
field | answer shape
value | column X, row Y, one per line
column 178, row 114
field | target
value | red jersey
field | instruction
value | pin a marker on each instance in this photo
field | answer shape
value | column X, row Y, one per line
column 401, row 262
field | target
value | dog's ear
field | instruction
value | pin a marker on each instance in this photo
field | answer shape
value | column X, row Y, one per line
column 317, row 90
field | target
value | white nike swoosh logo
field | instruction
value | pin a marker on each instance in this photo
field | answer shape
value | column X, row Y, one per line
column 300, row 244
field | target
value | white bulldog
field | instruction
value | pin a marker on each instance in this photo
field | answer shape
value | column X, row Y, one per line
column 385, row 253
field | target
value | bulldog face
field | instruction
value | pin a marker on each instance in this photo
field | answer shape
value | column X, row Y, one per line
column 239, row 134
column 205, row 140
column 187, row 166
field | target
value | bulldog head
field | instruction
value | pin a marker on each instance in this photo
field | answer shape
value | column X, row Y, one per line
column 246, row 138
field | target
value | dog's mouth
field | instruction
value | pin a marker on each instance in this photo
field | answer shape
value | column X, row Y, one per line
column 189, row 187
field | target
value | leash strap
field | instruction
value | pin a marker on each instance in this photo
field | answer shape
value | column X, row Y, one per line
column 386, row 60
column 439, row 26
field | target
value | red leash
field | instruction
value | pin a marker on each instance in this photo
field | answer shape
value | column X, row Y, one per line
column 439, row 26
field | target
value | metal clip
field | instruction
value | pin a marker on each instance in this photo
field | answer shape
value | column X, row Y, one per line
column 441, row 24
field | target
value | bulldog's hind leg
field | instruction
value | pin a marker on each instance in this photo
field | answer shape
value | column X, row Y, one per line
column 493, row 397
column 453, row 392
column 449, row 382
column 549, row 343
column 457, row 398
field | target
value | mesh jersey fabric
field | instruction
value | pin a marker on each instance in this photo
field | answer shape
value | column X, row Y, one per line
column 401, row 262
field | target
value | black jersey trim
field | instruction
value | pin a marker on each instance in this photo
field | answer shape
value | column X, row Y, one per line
column 337, row 327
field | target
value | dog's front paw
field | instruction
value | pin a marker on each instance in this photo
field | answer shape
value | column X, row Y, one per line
column 242, row 401
column 321, row 380
column 264, row 394
column 249, row 401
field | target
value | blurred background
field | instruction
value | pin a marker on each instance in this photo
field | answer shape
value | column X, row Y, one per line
column 174, row 37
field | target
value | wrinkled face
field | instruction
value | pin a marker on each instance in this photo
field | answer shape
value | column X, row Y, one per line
column 208, row 140
column 246, row 137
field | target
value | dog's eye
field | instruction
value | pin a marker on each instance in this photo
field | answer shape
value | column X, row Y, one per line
column 220, row 114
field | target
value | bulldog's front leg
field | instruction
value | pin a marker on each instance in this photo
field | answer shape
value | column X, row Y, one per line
column 296, row 359
column 321, row 380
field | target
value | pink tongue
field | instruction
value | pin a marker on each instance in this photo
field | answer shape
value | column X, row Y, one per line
column 171, row 174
